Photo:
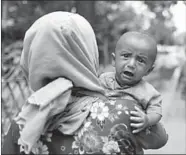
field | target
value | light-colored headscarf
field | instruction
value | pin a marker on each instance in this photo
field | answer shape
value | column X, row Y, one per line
column 59, row 52
column 61, row 44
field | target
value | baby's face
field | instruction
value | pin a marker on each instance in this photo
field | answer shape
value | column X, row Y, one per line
column 134, row 58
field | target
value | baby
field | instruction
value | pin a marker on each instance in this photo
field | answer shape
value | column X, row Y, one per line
column 134, row 58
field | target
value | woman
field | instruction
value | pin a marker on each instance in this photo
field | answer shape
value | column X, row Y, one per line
column 68, row 111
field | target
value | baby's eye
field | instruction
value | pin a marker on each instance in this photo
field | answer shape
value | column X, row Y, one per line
column 141, row 60
column 126, row 55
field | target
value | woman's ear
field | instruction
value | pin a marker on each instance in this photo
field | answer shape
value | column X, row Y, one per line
column 113, row 59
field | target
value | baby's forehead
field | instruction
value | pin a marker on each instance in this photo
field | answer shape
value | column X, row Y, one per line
column 138, row 41
column 134, row 37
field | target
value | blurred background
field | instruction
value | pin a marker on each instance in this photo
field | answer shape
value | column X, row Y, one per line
column 164, row 20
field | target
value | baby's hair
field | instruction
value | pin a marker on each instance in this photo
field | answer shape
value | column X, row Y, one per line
column 142, row 35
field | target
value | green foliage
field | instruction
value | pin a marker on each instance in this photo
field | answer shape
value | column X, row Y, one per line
column 161, row 33
column 109, row 19
column 161, row 27
column 113, row 19
column 19, row 15
column 159, row 7
column 11, row 56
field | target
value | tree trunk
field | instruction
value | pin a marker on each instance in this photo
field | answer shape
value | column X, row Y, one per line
column 4, row 13
column 105, row 52
column 5, row 10
column 87, row 10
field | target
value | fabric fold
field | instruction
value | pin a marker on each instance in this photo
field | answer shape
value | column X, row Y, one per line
column 46, row 94
column 33, row 117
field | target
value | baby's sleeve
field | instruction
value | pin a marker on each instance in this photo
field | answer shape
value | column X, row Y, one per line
column 107, row 80
column 102, row 79
column 155, row 104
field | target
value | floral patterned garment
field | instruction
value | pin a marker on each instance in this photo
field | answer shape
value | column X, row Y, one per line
column 105, row 131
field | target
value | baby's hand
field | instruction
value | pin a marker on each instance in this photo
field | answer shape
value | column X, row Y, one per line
column 139, row 120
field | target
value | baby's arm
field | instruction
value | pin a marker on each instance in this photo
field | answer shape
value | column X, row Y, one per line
column 141, row 120
column 154, row 110
column 153, row 118
column 155, row 137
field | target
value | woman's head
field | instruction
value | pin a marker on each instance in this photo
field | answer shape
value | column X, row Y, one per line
column 61, row 44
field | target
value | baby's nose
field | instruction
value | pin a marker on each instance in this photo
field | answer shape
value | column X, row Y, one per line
column 132, row 63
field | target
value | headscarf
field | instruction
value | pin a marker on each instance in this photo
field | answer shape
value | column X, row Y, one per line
column 59, row 52
column 61, row 44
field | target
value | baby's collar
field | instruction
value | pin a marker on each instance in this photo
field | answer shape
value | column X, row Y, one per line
column 117, row 86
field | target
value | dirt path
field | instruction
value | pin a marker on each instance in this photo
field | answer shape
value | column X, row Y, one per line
column 174, row 119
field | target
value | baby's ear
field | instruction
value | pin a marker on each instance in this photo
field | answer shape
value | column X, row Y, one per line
column 113, row 59
column 150, row 70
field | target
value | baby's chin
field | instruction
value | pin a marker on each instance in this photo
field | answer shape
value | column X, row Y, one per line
column 127, row 83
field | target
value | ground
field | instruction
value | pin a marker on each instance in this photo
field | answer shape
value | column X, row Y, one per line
column 174, row 122
column 174, row 119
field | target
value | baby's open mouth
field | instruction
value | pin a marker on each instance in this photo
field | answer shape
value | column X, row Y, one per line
column 128, row 73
